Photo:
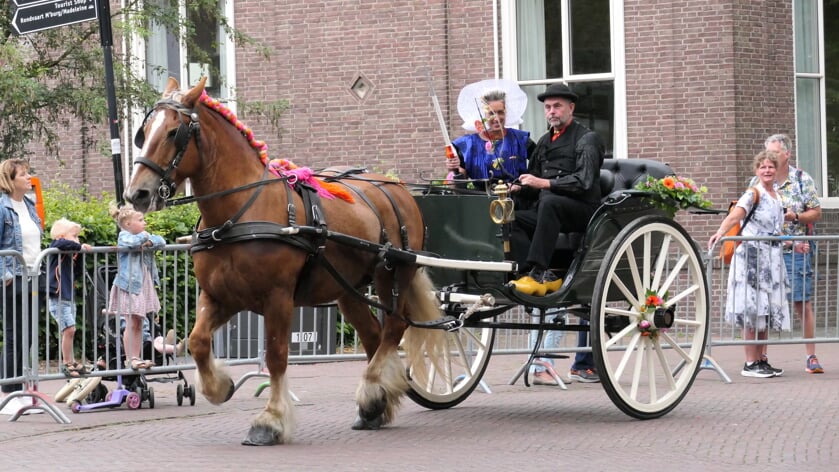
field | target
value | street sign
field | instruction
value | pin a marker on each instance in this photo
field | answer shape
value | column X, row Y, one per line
column 31, row 16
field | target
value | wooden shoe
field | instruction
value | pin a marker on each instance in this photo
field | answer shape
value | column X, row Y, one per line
column 529, row 286
column 552, row 286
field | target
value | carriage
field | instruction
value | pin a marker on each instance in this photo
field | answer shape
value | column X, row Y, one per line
column 632, row 250
column 272, row 237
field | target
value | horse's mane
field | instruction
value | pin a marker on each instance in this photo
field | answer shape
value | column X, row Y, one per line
column 278, row 167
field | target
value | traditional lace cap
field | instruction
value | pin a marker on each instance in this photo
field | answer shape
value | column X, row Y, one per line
column 469, row 104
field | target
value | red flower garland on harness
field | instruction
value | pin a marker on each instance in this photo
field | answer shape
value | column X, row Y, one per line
column 278, row 167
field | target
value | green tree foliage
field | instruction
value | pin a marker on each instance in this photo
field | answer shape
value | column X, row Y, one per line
column 177, row 288
column 55, row 77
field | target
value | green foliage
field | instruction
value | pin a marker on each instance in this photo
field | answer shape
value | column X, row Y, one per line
column 55, row 78
column 98, row 228
column 177, row 285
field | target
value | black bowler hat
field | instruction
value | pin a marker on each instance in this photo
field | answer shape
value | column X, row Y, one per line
column 557, row 90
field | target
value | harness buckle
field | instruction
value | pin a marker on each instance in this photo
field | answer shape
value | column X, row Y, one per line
column 453, row 325
column 164, row 191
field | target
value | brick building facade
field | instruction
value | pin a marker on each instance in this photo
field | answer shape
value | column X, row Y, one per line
column 705, row 82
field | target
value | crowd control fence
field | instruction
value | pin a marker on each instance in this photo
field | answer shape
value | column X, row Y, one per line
column 319, row 334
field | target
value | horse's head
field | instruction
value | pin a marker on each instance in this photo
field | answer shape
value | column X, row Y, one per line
column 164, row 139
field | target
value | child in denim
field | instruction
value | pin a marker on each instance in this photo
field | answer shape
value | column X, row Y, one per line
column 133, row 293
column 63, row 268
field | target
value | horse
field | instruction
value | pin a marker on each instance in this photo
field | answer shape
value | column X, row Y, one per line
column 264, row 246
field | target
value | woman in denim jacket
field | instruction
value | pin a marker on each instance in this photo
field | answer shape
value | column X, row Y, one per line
column 20, row 231
column 133, row 293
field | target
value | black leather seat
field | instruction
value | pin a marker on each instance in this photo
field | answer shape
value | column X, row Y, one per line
column 616, row 175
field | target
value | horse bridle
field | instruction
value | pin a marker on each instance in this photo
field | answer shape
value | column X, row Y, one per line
column 185, row 132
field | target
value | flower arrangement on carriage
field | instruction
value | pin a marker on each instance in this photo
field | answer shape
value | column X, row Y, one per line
column 675, row 192
column 654, row 305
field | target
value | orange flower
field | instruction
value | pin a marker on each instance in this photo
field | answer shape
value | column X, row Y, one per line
column 654, row 301
column 669, row 182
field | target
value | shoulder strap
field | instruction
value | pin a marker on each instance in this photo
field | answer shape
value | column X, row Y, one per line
column 751, row 212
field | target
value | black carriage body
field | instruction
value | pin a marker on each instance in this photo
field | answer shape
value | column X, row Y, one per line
column 460, row 227
column 635, row 275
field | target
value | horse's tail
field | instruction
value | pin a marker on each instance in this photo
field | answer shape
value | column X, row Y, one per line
column 423, row 347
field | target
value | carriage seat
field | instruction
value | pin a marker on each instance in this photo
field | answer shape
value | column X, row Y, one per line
column 617, row 175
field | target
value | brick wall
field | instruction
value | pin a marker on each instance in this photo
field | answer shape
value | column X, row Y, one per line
column 706, row 82
column 321, row 47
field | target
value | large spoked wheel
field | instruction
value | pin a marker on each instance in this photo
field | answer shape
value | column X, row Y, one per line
column 649, row 319
column 459, row 371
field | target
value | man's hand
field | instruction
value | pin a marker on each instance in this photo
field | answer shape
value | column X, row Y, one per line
column 533, row 181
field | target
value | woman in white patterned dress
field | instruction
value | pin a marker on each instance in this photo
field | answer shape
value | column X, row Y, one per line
column 757, row 285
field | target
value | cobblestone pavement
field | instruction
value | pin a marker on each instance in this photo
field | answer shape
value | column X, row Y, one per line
column 784, row 423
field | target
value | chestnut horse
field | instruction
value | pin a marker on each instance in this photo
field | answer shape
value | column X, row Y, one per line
column 260, row 246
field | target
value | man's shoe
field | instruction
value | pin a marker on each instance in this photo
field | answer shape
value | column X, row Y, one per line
column 538, row 282
column 529, row 286
column 813, row 365
column 756, row 369
column 767, row 366
column 584, row 376
column 551, row 282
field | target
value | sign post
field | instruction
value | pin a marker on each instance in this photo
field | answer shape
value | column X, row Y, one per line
column 107, row 40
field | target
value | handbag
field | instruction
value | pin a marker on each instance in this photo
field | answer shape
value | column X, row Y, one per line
column 728, row 247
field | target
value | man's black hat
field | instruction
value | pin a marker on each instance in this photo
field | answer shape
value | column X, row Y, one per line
column 557, row 90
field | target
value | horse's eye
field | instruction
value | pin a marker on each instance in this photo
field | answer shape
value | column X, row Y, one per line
column 172, row 132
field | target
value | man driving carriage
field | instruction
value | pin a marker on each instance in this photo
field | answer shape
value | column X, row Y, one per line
column 563, row 175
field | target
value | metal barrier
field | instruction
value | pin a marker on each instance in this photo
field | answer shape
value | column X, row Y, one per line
column 97, row 340
column 319, row 334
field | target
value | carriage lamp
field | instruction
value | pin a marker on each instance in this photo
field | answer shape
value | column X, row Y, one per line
column 501, row 209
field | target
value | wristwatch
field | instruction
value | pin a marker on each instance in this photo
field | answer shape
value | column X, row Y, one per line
column 795, row 220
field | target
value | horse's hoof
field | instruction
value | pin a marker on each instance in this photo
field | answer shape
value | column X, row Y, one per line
column 362, row 423
column 261, row 436
column 230, row 391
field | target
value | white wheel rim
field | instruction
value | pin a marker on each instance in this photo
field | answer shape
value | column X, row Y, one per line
column 651, row 372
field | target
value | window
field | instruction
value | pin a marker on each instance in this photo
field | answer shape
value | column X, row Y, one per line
column 206, row 54
column 809, row 83
column 548, row 41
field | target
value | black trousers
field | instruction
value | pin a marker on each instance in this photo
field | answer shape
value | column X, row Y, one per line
column 13, row 316
column 534, row 232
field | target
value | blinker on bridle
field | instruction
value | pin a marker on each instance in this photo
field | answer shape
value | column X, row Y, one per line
column 185, row 131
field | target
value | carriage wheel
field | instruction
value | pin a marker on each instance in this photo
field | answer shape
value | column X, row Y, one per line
column 151, row 397
column 462, row 365
column 179, row 395
column 647, row 356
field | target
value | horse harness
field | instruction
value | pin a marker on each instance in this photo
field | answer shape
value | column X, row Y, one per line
column 311, row 238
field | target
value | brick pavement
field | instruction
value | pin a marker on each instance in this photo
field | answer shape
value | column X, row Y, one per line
column 752, row 424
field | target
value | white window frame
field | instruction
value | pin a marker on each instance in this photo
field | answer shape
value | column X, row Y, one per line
column 227, row 65
column 826, row 201
column 617, row 76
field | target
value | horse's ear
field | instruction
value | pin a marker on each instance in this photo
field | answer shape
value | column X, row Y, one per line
column 171, row 87
column 192, row 96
